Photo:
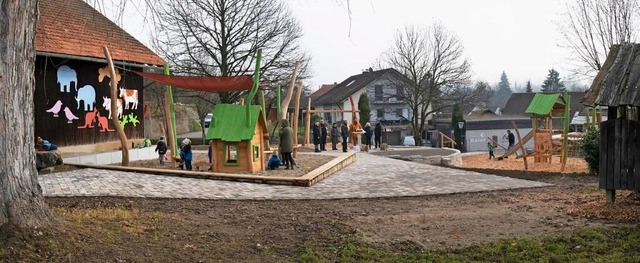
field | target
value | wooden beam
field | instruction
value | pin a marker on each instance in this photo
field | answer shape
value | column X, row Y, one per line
column 114, row 109
column 170, row 139
column 287, row 100
column 524, row 151
column 307, row 125
column 296, row 113
column 328, row 111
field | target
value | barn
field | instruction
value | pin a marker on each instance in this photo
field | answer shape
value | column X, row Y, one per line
column 72, row 93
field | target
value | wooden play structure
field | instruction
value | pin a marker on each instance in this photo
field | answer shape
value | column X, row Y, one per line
column 544, row 109
column 308, row 112
column 616, row 86
column 237, row 138
column 238, row 133
column 548, row 141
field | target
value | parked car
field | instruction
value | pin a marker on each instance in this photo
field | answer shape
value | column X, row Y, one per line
column 207, row 119
column 409, row 141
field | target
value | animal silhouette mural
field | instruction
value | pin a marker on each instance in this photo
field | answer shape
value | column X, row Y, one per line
column 129, row 96
column 105, row 72
column 129, row 119
column 103, row 123
column 89, row 119
column 56, row 108
column 107, row 105
column 69, row 115
column 66, row 75
column 86, row 94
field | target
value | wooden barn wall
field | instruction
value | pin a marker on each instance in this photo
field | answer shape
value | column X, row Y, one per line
column 619, row 164
column 65, row 121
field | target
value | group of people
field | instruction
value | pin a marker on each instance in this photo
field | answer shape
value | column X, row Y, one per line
column 344, row 134
column 186, row 155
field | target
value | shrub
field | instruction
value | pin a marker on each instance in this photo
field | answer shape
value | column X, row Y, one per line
column 590, row 148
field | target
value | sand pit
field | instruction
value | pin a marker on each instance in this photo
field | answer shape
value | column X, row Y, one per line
column 481, row 160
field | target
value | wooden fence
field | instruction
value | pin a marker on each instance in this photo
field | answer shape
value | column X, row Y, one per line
column 619, row 164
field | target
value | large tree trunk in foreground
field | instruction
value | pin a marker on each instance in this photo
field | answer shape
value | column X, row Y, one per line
column 21, row 200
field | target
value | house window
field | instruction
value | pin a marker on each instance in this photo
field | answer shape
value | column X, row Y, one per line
column 231, row 154
column 399, row 113
column 380, row 113
column 399, row 95
column 256, row 153
column 379, row 93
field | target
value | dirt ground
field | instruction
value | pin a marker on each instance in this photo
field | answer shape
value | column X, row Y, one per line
column 266, row 231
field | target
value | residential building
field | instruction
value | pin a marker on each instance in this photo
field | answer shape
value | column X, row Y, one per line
column 384, row 89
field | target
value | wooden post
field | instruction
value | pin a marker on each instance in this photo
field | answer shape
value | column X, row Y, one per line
column 308, row 124
column 524, row 151
column 170, row 139
column 213, row 155
column 114, row 110
column 287, row 100
column 296, row 115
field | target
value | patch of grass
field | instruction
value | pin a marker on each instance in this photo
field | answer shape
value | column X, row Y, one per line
column 615, row 244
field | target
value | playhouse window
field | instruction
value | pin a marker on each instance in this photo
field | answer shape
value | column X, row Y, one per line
column 256, row 153
column 231, row 154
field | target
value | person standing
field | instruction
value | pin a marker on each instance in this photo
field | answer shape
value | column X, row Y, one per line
column 323, row 135
column 161, row 149
column 187, row 155
column 377, row 131
column 355, row 126
column 491, row 148
column 286, row 144
column 316, row 136
column 335, row 136
column 368, row 133
column 512, row 139
column 344, row 132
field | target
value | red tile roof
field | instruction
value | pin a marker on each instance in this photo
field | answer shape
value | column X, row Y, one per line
column 72, row 27
column 322, row 90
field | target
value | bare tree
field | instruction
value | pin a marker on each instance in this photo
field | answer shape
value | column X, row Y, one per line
column 21, row 200
column 432, row 60
column 591, row 27
column 221, row 38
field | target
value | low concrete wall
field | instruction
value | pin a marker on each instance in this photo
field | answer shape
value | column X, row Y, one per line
column 452, row 160
column 147, row 153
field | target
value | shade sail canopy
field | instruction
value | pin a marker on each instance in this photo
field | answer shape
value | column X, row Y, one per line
column 203, row 83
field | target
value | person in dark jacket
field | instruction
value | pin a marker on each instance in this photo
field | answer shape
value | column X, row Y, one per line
column 512, row 139
column 377, row 132
column 161, row 149
column 286, row 144
column 344, row 132
column 187, row 155
column 335, row 136
column 323, row 135
column 316, row 136
column 368, row 134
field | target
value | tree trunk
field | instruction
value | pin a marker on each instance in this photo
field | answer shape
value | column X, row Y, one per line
column 21, row 200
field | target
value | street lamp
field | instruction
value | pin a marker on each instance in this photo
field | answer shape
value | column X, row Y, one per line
column 462, row 134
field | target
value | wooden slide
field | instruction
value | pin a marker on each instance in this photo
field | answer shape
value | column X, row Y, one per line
column 516, row 147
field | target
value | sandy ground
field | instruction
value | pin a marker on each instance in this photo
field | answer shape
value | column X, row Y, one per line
column 482, row 161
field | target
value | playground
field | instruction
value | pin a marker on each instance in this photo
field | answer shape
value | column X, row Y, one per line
column 481, row 161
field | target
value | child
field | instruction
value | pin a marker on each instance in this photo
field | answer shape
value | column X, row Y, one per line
column 274, row 161
column 161, row 149
column 44, row 145
column 186, row 155
column 491, row 147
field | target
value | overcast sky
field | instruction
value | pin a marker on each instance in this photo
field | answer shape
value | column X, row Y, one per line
column 518, row 37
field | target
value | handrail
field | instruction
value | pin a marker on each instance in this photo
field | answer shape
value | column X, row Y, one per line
column 442, row 137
